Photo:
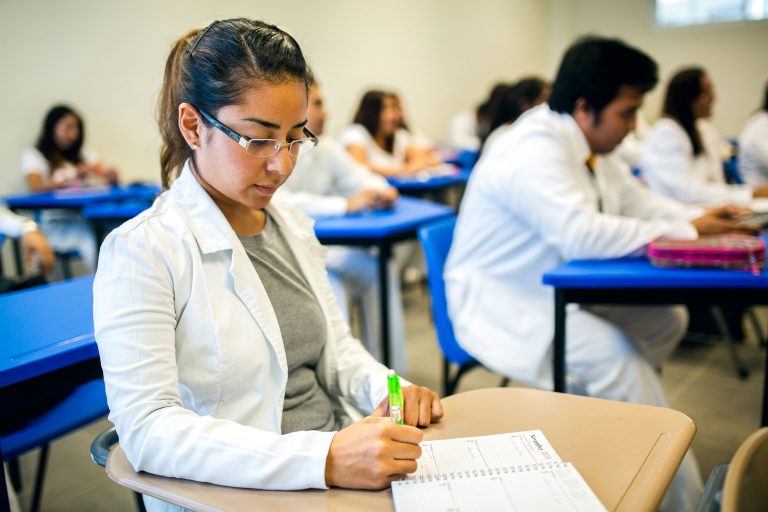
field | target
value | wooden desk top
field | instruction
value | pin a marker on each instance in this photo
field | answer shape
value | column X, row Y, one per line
column 627, row 453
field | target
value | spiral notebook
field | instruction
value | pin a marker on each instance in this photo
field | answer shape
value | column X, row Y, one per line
column 515, row 471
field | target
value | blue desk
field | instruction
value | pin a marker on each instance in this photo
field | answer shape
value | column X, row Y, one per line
column 634, row 281
column 47, row 342
column 78, row 199
column 381, row 229
column 418, row 184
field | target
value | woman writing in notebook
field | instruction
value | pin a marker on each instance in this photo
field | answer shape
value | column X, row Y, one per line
column 224, row 354
column 379, row 140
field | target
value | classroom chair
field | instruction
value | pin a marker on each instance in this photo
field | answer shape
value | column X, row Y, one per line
column 85, row 404
column 746, row 483
column 436, row 239
column 100, row 448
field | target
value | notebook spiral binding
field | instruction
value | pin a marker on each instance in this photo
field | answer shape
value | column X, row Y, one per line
column 483, row 473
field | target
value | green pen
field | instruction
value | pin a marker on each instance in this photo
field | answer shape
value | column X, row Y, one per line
column 395, row 398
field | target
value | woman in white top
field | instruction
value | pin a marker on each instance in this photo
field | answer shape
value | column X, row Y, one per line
column 753, row 147
column 224, row 354
column 682, row 157
column 378, row 139
column 327, row 181
column 60, row 160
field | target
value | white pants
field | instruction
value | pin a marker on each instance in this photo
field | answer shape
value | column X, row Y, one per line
column 354, row 275
column 71, row 233
column 611, row 352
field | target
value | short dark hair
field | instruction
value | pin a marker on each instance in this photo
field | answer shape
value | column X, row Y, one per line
column 213, row 67
column 594, row 68
column 47, row 145
column 682, row 90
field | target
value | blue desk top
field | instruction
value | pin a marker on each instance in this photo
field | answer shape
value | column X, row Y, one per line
column 417, row 183
column 408, row 214
column 639, row 273
column 45, row 329
column 122, row 210
column 78, row 198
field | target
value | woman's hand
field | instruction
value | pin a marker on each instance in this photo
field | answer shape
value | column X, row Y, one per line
column 723, row 219
column 371, row 453
column 34, row 244
column 421, row 406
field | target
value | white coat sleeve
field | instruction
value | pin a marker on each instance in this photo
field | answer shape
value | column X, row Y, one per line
column 546, row 193
column 753, row 145
column 350, row 177
column 136, row 307
column 10, row 223
column 667, row 167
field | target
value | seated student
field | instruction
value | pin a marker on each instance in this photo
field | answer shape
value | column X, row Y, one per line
column 681, row 157
column 470, row 126
column 522, row 96
column 34, row 246
column 549, row 191
column 327, row 181
column 59, row 159
column 378, row 140
column 224, row 353
column 631, row 148
column 753, row 147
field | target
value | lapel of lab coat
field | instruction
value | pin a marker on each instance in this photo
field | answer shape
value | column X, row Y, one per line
column 213, row 234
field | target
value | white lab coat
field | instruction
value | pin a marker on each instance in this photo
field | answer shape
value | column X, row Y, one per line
column 753, row 150
column 193, row 358
column 669, row 167
column 531, row 204
column 322, row 180
column 11, row 224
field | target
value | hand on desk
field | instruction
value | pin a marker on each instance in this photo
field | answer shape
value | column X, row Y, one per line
column 372, row 199
column 724, row 219
column 421, row 406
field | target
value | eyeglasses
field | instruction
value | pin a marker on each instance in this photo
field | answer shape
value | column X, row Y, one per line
column 265, row 148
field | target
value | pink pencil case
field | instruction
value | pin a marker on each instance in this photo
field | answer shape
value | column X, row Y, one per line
column 736, row 252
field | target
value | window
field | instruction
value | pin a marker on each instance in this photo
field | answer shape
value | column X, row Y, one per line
column 697, row 12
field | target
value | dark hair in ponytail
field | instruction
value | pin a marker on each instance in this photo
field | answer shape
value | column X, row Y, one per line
column 214, row 67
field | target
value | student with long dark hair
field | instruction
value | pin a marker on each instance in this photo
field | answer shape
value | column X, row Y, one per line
column 379, row 140
column 522, row 96
column 753, row 146
column 682, row 153
column 224, row 353
column 60, row 159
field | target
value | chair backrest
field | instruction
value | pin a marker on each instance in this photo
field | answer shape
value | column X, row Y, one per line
column 746, row 483
column 436, row 239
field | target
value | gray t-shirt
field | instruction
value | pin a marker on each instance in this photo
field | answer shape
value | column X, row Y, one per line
column 302, row 325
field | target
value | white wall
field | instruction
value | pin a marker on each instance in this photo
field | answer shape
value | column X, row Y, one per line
column 106, row 58
column 734, row 54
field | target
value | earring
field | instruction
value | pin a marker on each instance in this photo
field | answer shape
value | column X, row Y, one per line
column 193, row 146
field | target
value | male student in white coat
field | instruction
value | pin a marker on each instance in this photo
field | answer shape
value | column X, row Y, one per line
column 549, row 191
column 327, row 181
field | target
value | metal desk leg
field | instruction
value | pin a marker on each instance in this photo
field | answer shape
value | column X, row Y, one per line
column 5, row 504
column 559, row 341
column 385, row 252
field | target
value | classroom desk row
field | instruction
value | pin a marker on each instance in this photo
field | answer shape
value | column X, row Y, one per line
column 628, row 466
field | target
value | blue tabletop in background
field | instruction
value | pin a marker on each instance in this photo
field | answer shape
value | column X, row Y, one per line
column 80, row 197
column 639, row 273
column 417, row 183
column 45, row 329
column 408, row 214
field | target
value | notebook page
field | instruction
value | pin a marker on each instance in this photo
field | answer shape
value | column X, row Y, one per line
column 482, row 453
column 543, row 488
